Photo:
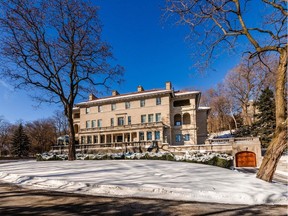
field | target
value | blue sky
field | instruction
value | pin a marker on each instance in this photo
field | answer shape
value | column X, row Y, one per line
column 151, row 50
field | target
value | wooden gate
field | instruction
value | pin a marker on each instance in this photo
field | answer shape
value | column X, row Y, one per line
column 246, row 159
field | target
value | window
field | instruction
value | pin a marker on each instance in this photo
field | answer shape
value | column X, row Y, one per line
column 143, row 118
column 177, row 120
column 89, row 139
column 120, row 121
column 99, row 123
column 113, row 106
column 141, row 136
column 93, row 123
column 129, row 120
column 100, row 109
column 187, row 137
column 87, row 111
column 82, row 139
column 127, row 105
column 87, row 124
column 157, row 135
column 158, row 101
column 142, row 103
column 150, row 118
column 186, row 118
column 178, row 138
column 149, row 135
column 112, row 121
column 158, row 117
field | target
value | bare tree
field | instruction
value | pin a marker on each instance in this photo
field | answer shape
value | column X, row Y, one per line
column 42, row 135
column 220, row 116
column 55, row 47
column 61, row 123
column 5, row 137
column 222, row 23
column 245, row 82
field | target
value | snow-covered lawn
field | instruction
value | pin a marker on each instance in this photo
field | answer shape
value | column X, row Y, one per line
column 146, row 178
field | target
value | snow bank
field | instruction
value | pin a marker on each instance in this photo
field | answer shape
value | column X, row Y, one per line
column 144, row 178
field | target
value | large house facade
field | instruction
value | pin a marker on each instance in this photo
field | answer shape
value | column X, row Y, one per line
column 162, row 115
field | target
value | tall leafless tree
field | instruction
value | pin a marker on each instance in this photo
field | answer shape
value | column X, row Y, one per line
column 222, row 23
column 42, row 135
column 61, row 123
column 5, row 137
column 245, row 82
column 55, row 47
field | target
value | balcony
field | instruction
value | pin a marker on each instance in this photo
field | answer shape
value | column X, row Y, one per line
column 124, row 127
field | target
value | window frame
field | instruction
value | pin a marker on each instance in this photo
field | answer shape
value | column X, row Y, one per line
column 178, row 138
column 150, row 119
column 93, row 124
column 157, row 135
column 186, row 136
column 129, row 120
column 149, row 135
column 113, row 106
column 99, row 123
column 158, row 117
column 143, row 119
column 158, row 101
column 87, row 110
column 127, row 105
column 88, row 124
column 120, row 123
column 142, row 103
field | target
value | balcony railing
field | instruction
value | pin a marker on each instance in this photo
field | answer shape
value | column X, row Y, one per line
column 86, row 147
column 232, row 140
column 124, row 127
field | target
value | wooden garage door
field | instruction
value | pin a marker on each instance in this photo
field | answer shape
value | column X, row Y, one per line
column 245, row 159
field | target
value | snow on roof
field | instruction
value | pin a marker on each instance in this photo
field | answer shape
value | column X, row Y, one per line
column 204, row 108
column 186, row 93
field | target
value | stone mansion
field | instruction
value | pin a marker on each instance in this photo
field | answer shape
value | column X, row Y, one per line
column 162, row 115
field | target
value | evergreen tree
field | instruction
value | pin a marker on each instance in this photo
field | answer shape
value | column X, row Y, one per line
column 20, row 142
column 265, row 118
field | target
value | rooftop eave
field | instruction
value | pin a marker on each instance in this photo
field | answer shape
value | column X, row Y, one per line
column 123, row 97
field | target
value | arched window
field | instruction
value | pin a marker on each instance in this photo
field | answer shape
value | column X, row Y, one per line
column 177, row 120
column 186, row 118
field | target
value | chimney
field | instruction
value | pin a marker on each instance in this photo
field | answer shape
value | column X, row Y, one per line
column 114, row 93
column 168, row 85
column 92, row 97
column 140, row 88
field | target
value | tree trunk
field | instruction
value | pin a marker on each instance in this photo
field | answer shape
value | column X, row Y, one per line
column 279, row 141
column 72, row 151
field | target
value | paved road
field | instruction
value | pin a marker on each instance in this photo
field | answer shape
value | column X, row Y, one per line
column 16, row 200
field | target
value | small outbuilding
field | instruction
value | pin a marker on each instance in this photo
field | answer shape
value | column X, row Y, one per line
column 63, row 140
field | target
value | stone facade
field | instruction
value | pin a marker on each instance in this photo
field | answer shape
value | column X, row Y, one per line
column 162, row 115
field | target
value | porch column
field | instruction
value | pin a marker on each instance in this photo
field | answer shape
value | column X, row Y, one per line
column 130, row 137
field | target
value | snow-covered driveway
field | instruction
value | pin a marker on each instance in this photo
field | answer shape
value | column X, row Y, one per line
column 146, row 178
